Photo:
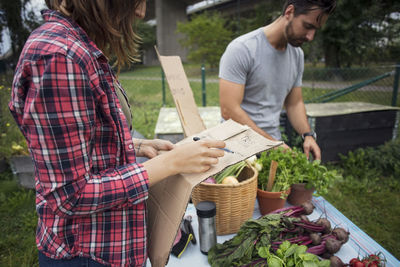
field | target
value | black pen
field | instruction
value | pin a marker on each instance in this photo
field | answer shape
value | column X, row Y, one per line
column 224, row 149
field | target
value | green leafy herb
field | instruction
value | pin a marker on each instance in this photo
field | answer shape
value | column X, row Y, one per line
column 293, row 168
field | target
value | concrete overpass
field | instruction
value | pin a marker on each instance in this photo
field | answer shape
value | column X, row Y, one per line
column 167, row 13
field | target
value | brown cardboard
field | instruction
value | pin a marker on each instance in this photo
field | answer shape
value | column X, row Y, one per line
column 182, row 94
column 169, row 198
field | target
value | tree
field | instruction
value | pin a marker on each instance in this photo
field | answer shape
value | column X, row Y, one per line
column 206, row 37
column 357, row 30
column 262, row 14
column 147, row 35
column 19, row 21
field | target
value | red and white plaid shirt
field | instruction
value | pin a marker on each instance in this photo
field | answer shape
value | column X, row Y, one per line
column 90, row 192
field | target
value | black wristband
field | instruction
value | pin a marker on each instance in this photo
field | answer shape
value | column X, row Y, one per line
column 312, row 133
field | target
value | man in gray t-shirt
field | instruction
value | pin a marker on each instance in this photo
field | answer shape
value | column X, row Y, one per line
column 261, row 72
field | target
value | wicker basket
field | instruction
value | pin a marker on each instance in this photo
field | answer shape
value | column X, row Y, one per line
column 235, row 203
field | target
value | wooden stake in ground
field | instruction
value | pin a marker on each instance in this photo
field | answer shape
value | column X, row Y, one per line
column 272, row 172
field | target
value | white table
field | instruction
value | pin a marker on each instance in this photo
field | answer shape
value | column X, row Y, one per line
column 359, row 243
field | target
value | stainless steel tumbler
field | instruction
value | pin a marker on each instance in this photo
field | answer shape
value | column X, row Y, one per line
column 206, row 211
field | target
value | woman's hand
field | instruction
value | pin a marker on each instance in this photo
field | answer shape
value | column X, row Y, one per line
column 196, row 157
column 192, row 157
column 151, row 148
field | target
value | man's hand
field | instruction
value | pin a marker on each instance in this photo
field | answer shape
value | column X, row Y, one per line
column 310, row 145
column 151, row 148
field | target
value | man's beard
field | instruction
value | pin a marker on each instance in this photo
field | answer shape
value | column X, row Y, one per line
column 291, row 37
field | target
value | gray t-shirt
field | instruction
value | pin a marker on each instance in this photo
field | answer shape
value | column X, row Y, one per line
column 268, row 75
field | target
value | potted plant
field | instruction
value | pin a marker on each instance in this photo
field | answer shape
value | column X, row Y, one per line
column 274, row 184
column 306, row 177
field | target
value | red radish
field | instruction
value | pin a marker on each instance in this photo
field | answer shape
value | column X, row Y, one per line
column 210, row 180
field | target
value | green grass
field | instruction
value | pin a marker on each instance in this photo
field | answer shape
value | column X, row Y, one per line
column 18, row 222
column 372, row 205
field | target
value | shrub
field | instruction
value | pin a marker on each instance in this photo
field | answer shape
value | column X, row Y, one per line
column 383, row 160
column 12, row 141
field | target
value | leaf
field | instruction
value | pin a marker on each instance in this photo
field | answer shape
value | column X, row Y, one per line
column 285, row 245
column 290, row 263
column 324, row 263
column 274, row 262
column 301, row 250
column 291, row 250
column 308, row 257
column 263, row 252
column 310, row 264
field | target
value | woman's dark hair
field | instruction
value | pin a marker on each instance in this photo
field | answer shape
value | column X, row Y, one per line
column 107, row 22
column 305, row 6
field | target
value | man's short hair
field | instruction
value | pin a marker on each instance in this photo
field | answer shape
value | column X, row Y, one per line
column 305, row 6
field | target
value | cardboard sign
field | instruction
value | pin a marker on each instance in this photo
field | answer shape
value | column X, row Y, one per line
column 169, row 198
column 182, row 94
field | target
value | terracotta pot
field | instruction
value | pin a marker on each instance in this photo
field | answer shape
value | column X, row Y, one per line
column 270, row 201
column 299, row 194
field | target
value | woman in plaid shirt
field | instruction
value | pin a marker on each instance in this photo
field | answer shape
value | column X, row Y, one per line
column 90, row 191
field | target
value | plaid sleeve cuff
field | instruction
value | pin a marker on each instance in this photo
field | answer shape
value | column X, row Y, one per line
column 136, row 182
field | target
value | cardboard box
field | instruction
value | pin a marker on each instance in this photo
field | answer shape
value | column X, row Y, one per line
column 169, row 198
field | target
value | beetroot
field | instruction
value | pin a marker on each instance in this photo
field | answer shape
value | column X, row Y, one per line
column 316, row 239
column 308, row 207
column 336, row 261
column 341, row 234
column 326, row 224
column 326, row 255
column 333, row 245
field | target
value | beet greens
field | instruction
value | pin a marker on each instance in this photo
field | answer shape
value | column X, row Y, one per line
column 259, row 240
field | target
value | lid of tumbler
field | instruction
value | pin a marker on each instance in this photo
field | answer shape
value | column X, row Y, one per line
column 206, row 209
